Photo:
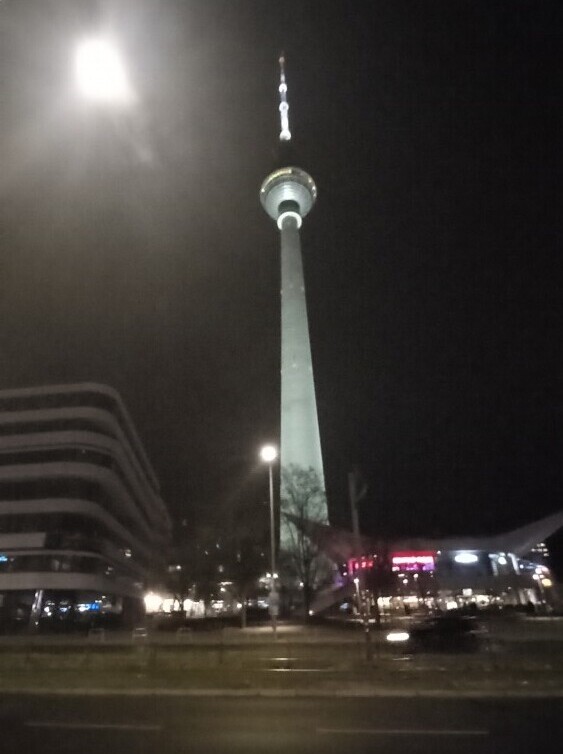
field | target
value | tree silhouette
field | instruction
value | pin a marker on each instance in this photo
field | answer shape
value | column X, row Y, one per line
column 304, row 499
column 195, row 554
column 245, row 544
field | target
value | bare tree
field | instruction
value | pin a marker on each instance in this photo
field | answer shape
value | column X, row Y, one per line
column 303, row 499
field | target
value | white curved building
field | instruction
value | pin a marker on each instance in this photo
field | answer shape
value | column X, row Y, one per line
column 82, row 524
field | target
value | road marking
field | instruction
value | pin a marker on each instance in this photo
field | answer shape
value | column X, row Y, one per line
column 90, row 726
column 401, row 732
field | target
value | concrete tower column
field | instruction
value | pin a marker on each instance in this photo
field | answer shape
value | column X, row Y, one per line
column 300, row 436
column 288, row 194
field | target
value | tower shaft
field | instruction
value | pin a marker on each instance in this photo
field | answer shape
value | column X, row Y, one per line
column 300, row 436
column 288, row 194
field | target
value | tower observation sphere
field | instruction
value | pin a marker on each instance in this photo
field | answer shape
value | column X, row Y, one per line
column 288, row 195
column 288, row 192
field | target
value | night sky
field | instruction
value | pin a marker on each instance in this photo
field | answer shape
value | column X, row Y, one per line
column 134, row 250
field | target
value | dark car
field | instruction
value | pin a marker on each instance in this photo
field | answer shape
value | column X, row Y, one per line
column 443, row 633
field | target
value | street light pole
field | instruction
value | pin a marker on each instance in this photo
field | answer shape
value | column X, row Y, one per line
column 363, row 603
column 273, row 606
column 269, row 454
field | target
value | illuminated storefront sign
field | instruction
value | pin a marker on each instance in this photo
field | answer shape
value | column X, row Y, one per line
column 400, row 561
column 363, row 563
column 413, row 561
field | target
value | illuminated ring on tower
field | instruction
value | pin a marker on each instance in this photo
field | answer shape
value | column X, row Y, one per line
column 289, row 213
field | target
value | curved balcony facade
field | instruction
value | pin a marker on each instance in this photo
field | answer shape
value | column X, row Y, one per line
column 80, row 506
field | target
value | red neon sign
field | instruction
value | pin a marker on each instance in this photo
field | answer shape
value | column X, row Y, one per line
column 363, row 563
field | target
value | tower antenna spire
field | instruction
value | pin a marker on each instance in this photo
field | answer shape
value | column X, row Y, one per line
column 285, row 133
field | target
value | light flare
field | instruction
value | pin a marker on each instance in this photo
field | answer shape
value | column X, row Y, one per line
column 100, row 72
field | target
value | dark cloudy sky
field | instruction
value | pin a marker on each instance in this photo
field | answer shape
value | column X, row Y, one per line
column 134, row 250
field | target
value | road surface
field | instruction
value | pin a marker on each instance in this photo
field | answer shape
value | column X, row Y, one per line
column 215, row 725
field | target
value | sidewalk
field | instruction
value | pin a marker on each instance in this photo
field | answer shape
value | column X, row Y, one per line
column 306, row 661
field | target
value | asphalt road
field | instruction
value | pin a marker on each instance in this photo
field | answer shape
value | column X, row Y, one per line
column 213, row 725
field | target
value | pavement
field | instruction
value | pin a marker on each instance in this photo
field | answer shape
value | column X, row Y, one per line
column 515, row 628
column 130, row 698
column 152, row 723
column 524, row 658
column 304, row 661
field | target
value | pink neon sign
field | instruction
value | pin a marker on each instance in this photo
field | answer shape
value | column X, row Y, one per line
column 414, row 561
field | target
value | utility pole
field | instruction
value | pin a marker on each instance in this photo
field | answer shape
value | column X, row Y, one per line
column 356, row 495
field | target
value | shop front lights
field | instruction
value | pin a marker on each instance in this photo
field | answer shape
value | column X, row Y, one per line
column 466, row 558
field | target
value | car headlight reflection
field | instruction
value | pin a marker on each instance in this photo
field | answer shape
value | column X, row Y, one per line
column 398, row 636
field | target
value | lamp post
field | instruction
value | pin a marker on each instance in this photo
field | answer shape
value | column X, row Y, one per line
column 268, row 454
column 363, row 600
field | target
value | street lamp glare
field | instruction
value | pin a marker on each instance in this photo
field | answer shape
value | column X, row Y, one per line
column 100, row 73
column 268, row 453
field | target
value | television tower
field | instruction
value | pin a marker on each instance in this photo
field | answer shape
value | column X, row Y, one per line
column 287, row 195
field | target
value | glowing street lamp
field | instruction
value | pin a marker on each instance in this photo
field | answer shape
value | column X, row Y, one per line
column 100, row 72
column 268, row 454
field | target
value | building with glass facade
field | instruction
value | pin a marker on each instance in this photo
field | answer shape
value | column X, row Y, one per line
column 503, row 569
column 82, row 523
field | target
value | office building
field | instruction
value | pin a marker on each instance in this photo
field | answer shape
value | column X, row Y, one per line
column 82, row 523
